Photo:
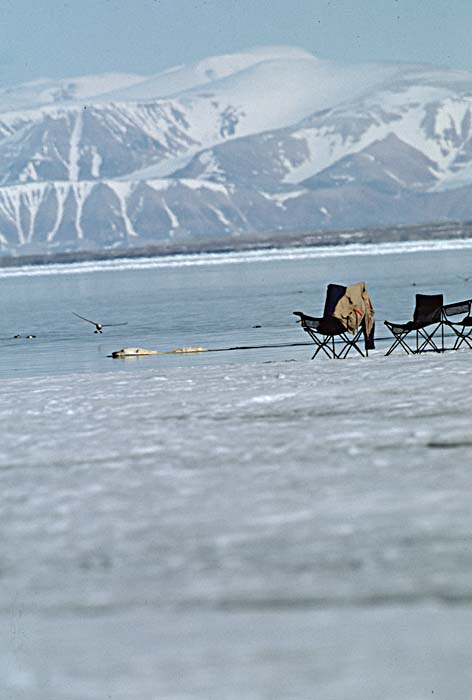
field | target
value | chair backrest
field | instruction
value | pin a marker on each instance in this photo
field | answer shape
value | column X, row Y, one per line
column 428, row 308
column 334, row 292
column 458, row 307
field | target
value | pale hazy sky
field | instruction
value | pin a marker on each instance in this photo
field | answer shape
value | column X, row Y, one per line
column 66, row 38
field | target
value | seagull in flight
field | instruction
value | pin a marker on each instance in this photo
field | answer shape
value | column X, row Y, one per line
column 99, row 326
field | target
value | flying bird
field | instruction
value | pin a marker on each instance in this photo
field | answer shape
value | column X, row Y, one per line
column 99, row 326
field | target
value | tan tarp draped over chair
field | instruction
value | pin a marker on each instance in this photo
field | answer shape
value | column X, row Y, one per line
column 354, row 308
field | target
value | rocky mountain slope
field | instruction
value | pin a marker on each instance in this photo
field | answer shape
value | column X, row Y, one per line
column 272, row 139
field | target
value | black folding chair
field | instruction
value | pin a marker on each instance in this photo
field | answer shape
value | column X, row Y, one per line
column 427, row 321
column 327, row 332
column 462, row 329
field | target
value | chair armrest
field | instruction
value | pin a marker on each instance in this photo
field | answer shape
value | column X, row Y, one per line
column 465, row 322
column 304, row 316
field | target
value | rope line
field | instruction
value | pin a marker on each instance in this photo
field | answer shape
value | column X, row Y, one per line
column 289, row 345
column 257, row 347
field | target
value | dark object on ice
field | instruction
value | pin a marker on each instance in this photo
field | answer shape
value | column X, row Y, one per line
column 463, row 328
column 257, row 326
column 428, row 313
column 346, row 310
column 28, row 337
column 99, row 326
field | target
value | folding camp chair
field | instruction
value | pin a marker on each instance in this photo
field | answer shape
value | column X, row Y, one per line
column 428, row 312
column 463, row 328
column 327, row 332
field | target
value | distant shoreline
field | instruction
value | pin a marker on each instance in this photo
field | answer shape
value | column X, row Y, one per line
column 278, row 241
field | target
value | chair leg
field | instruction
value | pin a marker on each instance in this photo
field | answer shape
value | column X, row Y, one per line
column 322, row 343
column 351, row 343
column 327, row 344
column 462, row 337
column 322, row 346
column 428, row 340
column 466, row 340
column 400, row 340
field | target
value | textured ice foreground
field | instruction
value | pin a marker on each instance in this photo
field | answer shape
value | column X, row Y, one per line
column 290, row 530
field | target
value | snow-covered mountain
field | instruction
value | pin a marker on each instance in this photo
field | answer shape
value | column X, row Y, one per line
column 271, row 139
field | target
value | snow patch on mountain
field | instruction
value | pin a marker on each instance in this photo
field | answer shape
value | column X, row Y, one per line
column 205, row 185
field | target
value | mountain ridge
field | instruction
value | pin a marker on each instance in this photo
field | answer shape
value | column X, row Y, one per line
column 273, row 139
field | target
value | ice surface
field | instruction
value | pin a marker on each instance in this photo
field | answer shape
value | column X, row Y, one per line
column 301, row 254
column 260, row 515
column 243, row 526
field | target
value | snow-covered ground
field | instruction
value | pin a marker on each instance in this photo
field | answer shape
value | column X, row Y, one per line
column 287, row 529
column 236, row 525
